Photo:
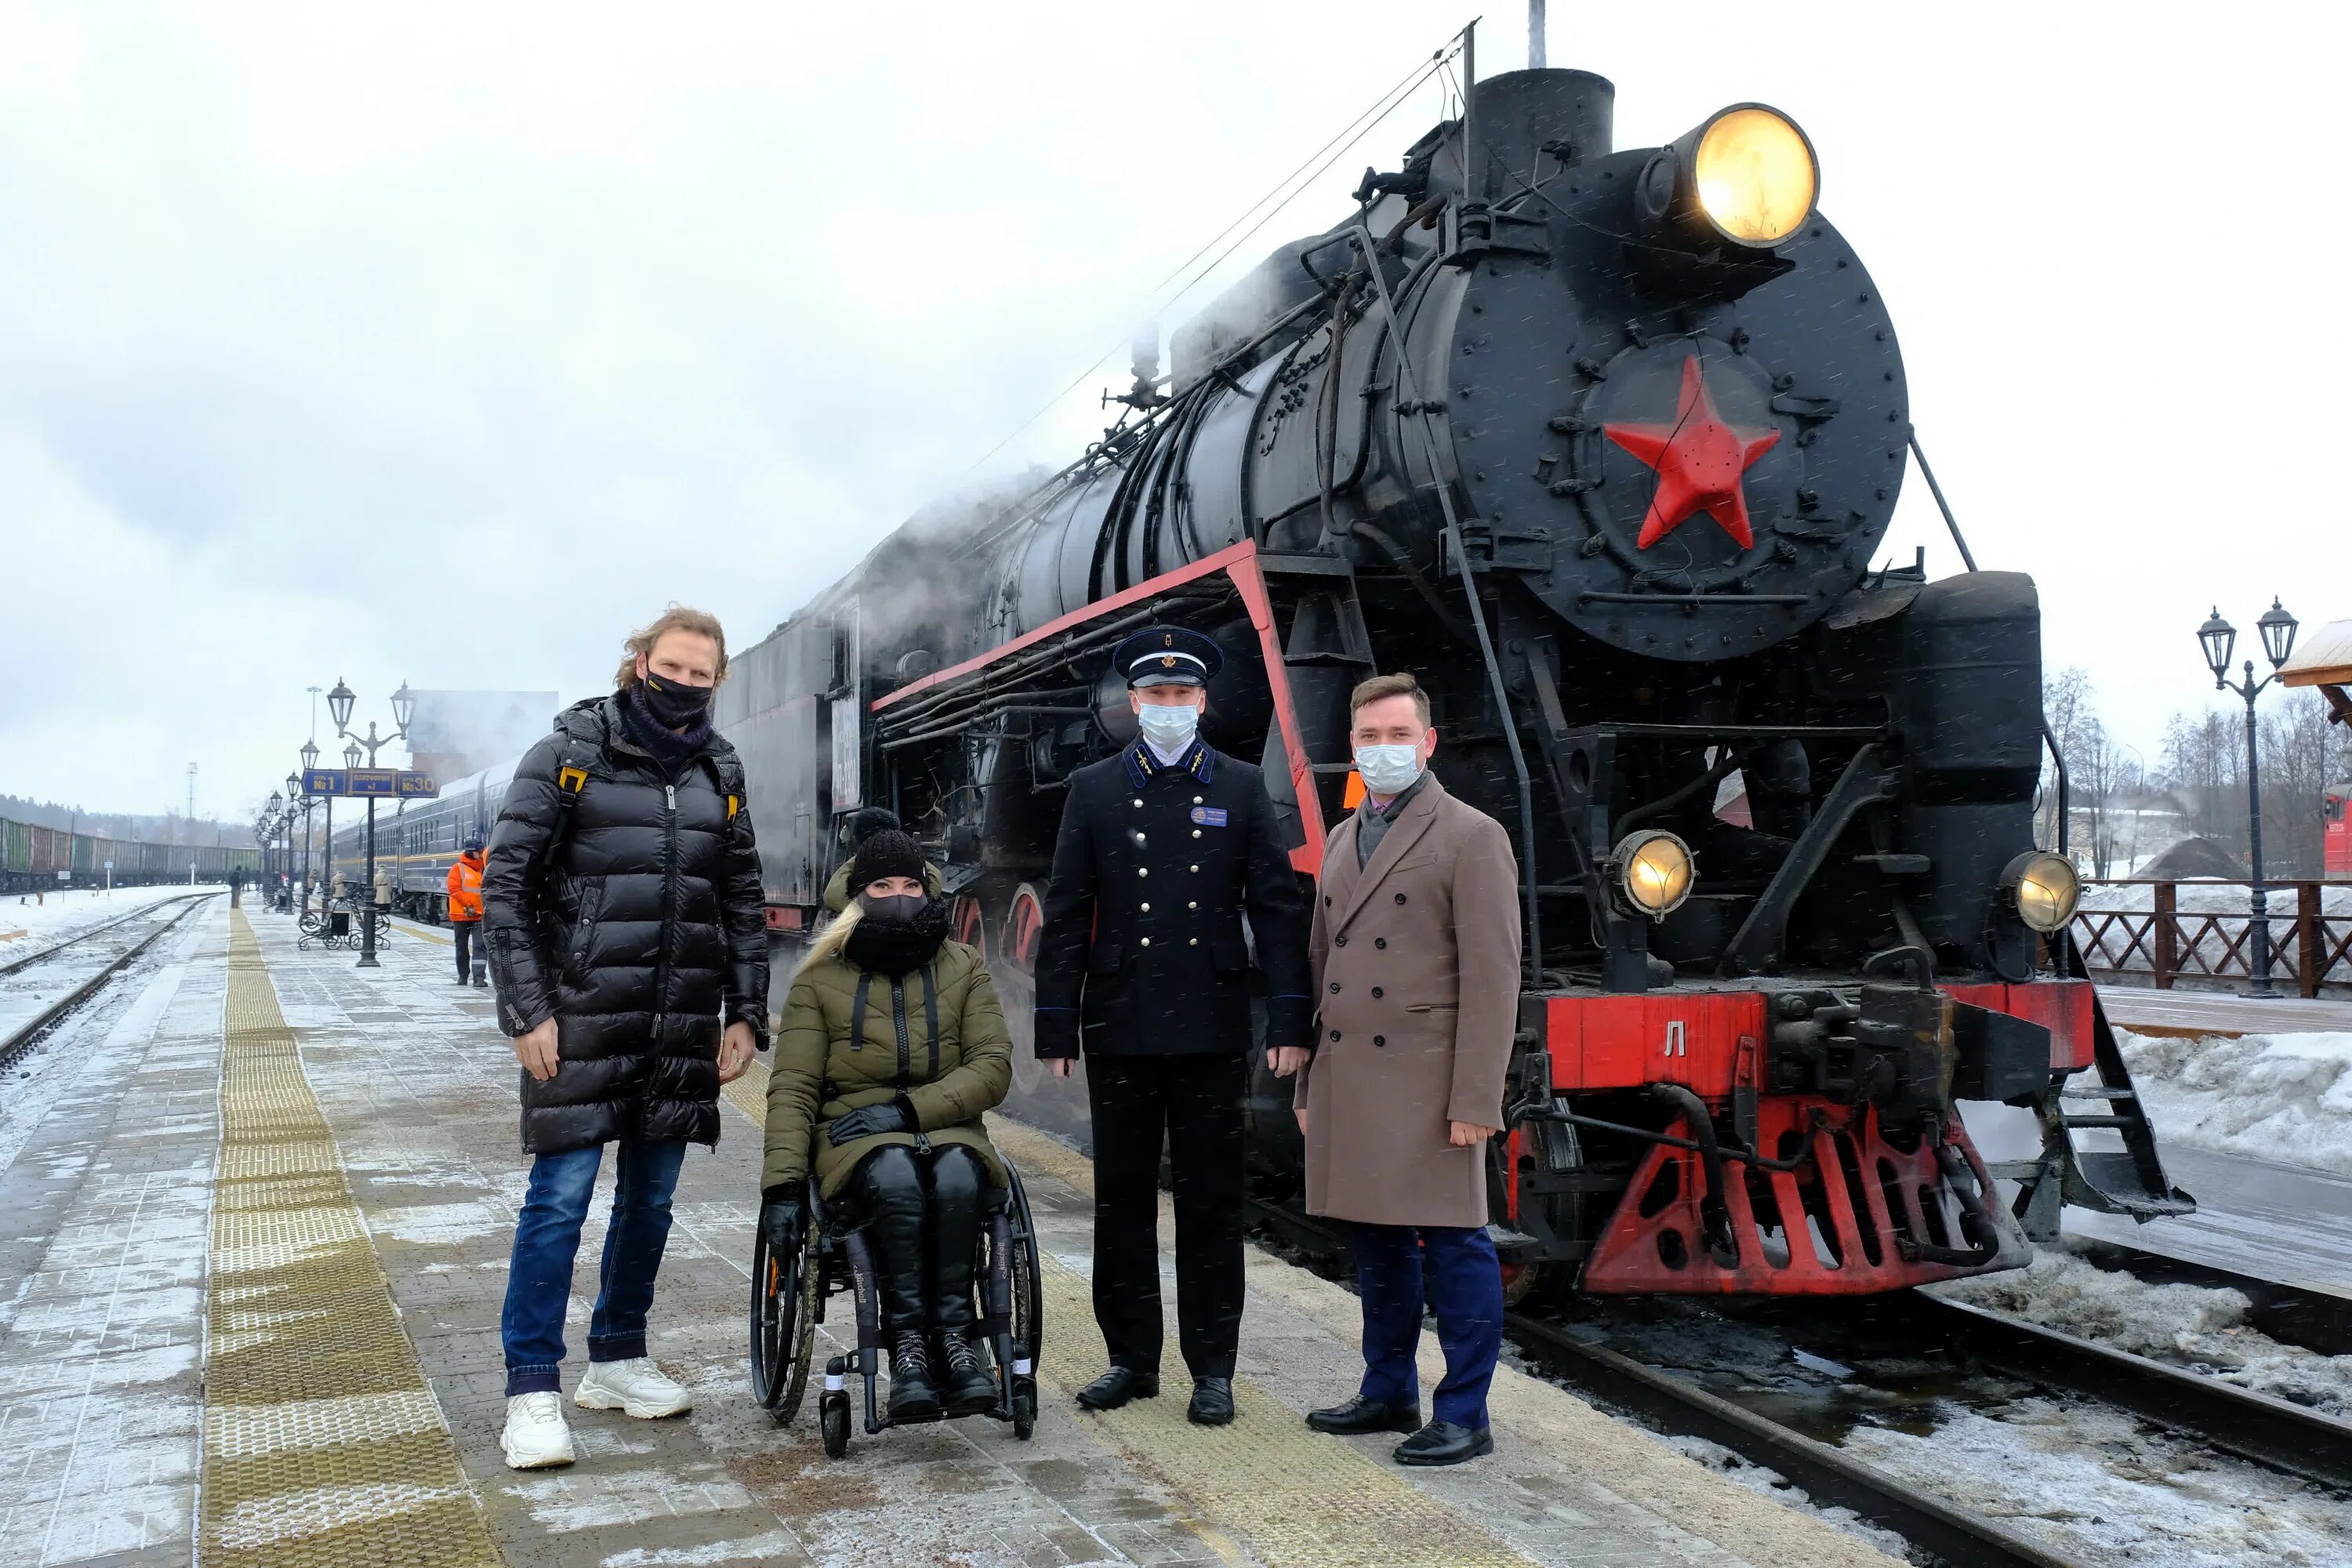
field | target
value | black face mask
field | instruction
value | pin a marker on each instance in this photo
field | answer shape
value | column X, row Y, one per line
column 895, row 909
column 673, row 705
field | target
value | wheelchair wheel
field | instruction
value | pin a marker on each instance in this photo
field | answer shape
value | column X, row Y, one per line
column 1028, row 1281
column 783, row 1329
column 832, row 1420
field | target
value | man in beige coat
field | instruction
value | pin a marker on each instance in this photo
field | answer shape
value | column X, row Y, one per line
column 1416, row 957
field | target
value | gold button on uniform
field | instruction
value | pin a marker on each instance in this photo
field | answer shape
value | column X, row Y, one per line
column 1194, row 942
column 1143, row 870
column 1196, row 867
column 1147, row 909
column 1147, row 942
column 1139, row 802
column 1196, row 833
column 1191, row 904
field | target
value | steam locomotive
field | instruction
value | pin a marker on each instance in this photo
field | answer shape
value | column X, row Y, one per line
column 1598, row 444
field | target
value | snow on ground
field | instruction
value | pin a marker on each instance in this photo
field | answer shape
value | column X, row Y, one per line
column 1770, row 1483
column 2092, row 1482
column 2186, row 1325
column 2286, row 1099
column 29, row 922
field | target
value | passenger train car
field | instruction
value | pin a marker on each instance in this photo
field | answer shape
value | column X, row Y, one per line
column 418, row 841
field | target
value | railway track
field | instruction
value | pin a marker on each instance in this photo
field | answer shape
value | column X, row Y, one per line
column 2253, row 1426
column 21, row 1036
column 26, row 960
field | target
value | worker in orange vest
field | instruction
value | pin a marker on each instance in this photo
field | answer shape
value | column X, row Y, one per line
column 465, row 911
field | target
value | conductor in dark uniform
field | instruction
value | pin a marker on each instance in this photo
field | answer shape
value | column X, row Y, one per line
column 1144, row 962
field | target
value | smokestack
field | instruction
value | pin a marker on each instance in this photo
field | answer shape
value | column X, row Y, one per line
column 1535, row 35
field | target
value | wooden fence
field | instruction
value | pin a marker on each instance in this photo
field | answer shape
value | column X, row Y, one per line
column 2152, row 938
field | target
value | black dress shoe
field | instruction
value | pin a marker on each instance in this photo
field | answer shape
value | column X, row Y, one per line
column 1116, row 1386
column 1443, row 1442
column 1362, row 1415
column 1213, row 1401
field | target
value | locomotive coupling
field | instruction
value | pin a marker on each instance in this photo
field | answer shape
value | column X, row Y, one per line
column 1908, row 1052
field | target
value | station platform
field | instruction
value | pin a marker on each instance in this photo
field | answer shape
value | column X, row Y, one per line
column 2147, row 1011
column 252, row 1254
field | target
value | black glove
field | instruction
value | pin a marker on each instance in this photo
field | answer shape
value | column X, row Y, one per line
column 889, row 1116
column 779, row 1224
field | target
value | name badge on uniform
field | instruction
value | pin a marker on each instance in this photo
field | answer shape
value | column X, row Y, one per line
column 1209, row 815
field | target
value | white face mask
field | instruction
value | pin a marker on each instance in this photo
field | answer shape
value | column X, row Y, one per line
column 1388, row 769
column 1170, row 729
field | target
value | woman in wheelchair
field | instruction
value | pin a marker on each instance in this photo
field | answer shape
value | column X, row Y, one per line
column 892, row 1044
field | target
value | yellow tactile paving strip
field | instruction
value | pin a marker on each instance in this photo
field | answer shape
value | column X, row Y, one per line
column 322, row 1444
column 1249, row 1478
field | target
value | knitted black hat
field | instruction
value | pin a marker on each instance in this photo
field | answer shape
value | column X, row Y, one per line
column 889, row 853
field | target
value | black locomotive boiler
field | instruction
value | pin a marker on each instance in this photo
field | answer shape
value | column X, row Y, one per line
column 1598, row 444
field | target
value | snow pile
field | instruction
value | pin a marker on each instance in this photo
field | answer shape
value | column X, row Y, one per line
column 26, row 926
column 2186, row 1325
column 2281, row 1097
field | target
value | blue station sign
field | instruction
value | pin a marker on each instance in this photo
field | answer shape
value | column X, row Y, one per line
column 383, row 784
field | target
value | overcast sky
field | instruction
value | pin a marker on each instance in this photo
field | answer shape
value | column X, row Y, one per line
column 444, row 342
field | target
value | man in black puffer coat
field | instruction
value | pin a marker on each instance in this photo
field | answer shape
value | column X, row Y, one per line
column 622, row 913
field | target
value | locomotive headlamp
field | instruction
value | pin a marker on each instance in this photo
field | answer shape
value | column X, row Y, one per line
column 2045, row 889
column 1654, row 870
column 1746, row 175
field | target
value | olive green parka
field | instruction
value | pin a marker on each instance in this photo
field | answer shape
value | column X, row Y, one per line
column 947, row 1079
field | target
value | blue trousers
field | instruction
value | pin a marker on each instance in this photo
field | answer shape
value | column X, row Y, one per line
column 1453, row 1271
column 546, row 1239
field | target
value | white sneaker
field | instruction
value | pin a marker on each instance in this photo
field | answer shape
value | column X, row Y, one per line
column 635, row 1386
column 536, row 1435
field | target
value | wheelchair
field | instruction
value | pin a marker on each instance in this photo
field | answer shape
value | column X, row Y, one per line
column 788, row 1293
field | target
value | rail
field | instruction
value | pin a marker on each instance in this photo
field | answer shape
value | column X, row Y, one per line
column 2199, row 931
column 22, row 1038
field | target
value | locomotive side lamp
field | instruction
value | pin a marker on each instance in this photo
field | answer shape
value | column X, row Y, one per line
column 2044, row 889
column 1746, row 175
column 1654, row 871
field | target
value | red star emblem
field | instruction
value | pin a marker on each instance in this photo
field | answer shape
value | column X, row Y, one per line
column 1699, row 460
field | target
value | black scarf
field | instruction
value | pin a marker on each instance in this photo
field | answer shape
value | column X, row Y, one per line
column 897, row 947
column 672, row 748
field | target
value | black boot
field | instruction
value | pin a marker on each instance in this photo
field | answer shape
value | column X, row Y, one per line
column 913, row 1395
column 968, row 1387
column 892, row 1188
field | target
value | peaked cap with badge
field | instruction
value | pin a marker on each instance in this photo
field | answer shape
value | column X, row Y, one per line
column 1168, row 655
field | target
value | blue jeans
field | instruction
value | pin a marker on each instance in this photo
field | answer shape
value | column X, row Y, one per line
column 547, row 1238
column 1452, row 1269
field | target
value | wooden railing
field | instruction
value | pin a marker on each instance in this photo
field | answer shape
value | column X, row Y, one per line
column 2153, row 939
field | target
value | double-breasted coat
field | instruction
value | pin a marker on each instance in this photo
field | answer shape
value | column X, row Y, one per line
column 1142, row 951
column 1416, row 963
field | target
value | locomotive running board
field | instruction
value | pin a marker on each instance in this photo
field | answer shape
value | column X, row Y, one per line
column 1869, row 1208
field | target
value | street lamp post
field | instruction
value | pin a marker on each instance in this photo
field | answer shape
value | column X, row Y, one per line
column 2219, row 637
column 294, row 804
column 339, row 707
column 309, row 754
column 269, row 818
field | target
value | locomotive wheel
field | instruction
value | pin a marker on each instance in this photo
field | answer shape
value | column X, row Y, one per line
column 1016, row 968
column 969, row 928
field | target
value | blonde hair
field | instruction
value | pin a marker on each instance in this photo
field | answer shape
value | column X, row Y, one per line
column 676, row 619
column 1385, row 685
